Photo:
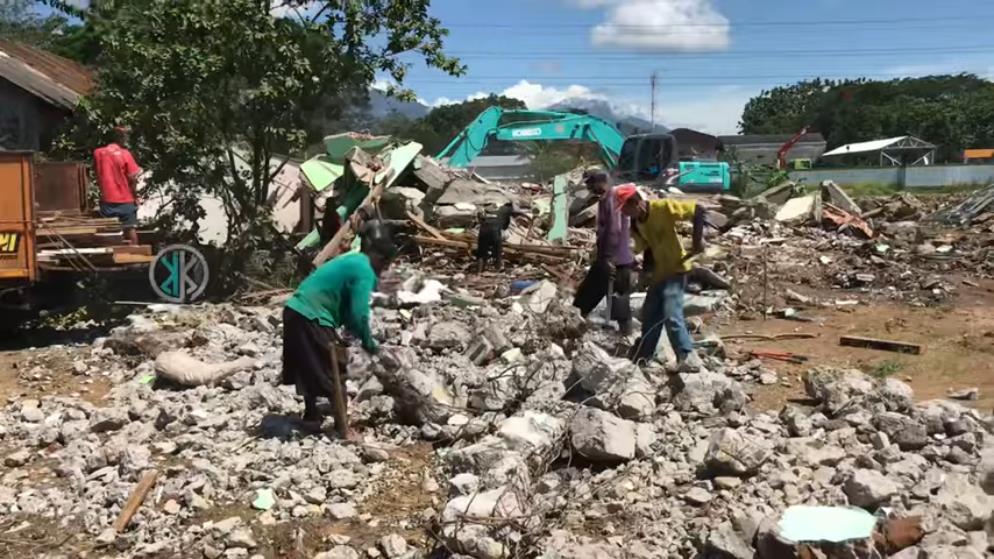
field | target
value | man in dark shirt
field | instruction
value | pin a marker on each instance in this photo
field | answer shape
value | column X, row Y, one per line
column 613, row 259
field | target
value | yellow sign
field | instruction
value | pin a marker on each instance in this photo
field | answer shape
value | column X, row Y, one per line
column 9, row 242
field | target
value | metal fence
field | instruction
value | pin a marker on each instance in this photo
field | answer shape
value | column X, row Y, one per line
column 903, row 177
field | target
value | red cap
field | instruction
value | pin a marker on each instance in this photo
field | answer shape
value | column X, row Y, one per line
column 622, row 194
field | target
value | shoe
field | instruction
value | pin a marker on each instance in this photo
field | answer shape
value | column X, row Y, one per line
column 691, row 363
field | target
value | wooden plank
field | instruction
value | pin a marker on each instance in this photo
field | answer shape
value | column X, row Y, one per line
column 135, row 500
column 145, row 250
column 50, row 231
column 424, row 226
column 95, row 240
column 133, row 258
column 883, row 345
column 563, row 251
column 508, row 249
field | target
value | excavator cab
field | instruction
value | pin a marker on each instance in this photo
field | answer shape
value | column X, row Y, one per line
column 646, row 157
column 654, row 159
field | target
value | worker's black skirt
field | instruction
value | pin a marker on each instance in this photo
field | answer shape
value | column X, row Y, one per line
column 594, row 287
column 307, row 357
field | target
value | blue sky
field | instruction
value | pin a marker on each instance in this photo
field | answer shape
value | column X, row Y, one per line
column 710, row 55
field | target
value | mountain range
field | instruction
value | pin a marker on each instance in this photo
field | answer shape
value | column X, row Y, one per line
column 381, row 106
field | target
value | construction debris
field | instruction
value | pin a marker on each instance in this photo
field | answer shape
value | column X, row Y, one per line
column 497, row 422
column 883, row 345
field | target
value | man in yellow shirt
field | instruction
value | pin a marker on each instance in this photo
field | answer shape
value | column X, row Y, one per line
column 654, row 231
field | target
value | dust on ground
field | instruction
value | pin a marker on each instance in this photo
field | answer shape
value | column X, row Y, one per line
column 957, row 337
column 34, row 373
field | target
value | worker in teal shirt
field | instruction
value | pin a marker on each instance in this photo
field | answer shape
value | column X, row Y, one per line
column 336, row 295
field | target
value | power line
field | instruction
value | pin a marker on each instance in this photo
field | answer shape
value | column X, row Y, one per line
column 678, row 77
column 730, row 54
column 771, row 23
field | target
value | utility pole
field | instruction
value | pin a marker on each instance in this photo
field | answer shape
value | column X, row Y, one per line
column 652, row 103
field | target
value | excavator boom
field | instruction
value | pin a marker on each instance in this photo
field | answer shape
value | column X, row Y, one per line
column 522, row 126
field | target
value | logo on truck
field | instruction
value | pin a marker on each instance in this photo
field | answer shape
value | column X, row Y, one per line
column 526, row 133
column 9, row 243
column 179, row 274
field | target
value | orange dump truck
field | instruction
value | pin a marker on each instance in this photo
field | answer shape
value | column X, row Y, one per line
column 18, row 256
column 50, row 238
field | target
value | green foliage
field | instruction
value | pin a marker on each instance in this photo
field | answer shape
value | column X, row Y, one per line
column 436, row 129
column 953, row 112
column 868, row 189
column 19, row 21
column 886, row 369
column 549, row 159
column 218, row 91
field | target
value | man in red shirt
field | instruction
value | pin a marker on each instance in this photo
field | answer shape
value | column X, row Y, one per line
column 117, row 175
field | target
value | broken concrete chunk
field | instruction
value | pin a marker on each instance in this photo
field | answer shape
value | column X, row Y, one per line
column 638, row 398
column 531, row 432
column 599, row 435
column 835, row 389
column 964, row 503
column 833, row 194
column 732, row 452
column 108, row 419
column 726, row 542
column 869, row 488
column 339, row 552
column 342, row 511
column 907, row 433
column 448, row 335
column 17, row 459
column 707, row 393
column 798, row 210
column 498, row 503
column 538, row 297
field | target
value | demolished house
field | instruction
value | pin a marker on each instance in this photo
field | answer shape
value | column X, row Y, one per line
column 502, row 424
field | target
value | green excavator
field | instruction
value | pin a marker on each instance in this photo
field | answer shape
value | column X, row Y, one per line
column 650, row 158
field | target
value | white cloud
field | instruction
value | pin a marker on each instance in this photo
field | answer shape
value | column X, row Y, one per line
column 660, row 25
column 538, row 96
column 382, row 84
column 717, row 112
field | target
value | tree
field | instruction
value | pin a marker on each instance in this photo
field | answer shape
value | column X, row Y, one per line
column 951, row 111
column 219, row 92
column 449, row 120
column 19, row 21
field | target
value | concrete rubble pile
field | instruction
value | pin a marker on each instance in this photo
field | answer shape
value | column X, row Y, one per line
column 545, row 444
column 778, row 234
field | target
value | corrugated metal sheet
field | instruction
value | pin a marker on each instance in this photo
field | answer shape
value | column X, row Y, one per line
column 864, row 147
column 57, row 80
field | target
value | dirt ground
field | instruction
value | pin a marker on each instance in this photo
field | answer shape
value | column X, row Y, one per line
column 958, row 342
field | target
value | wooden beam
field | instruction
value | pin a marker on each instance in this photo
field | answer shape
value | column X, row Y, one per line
column 883, row 345
column 145, row 250
column 347, row 230
column 425, row 227
column 125, row 258
column 510, row 250
column 135, row 500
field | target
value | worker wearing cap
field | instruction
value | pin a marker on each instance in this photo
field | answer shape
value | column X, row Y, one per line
column 654, row 232
column 117, row 175
column 336, row 295
column 613, row 259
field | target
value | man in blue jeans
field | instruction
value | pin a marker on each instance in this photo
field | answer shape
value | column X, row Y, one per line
column 654, row 230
